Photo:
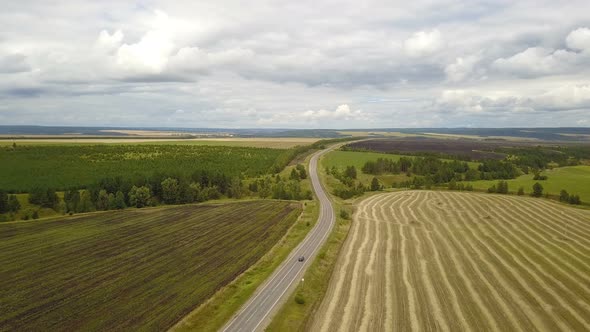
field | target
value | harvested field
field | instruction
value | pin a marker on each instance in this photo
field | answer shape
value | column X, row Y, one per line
column 450, row 261
column 130, row 270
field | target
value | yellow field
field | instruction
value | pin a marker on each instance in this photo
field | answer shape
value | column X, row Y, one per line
column 450, row 261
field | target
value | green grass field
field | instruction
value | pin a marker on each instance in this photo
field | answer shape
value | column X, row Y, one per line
column 133, row 269
column 65, row 166
column 574, row 179
column 341, row 159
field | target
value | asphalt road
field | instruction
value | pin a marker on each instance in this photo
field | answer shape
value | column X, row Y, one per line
column 256, row 314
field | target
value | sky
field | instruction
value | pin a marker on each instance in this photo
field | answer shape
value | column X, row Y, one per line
column 295, row 64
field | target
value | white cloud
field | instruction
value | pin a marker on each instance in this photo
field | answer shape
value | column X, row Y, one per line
column 567, row 97
column 342, row 112
column 461, row 69
column 540, row 61
column 423, row 43
column 120, row 63
column 109, row 42
column 579, row 39
column 459, row 101
column 563, row 98
column 149, row 55
column 536, row 61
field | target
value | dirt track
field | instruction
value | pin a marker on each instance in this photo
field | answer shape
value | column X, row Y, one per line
column 449, row 261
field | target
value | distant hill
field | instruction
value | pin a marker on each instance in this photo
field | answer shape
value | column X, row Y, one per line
column 572, row 134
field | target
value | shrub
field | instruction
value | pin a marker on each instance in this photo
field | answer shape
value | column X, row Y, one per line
column 375, row 185
column 575, row 199
column 344, row 214
column 564, row 196
column 299, row 299
column 537, row 190
column 539, row 177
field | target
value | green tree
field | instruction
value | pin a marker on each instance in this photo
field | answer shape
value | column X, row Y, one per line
column 170, row 191
column 302, row 173
column 85, row 204
column 564, row 196
column 194, row 190
column 452, row 185
column 13, row 204
column 375, row 185
column 344, row 214
column 294, row 174
column 43, row 197
column 102, row 203
column 3, row 202
column 120, row 200
column 537, row 190
column 417, row 182
column 139, row 196
column 502, row 187
column 293, row 189
column 235, row 188
column 471, row 175
column 111, row 199
column 520, row 191
column 350, row 172
column 72, row 200
column 575, row 199
column 265, row 187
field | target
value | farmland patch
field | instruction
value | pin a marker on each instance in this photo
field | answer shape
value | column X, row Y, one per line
column 133, row 269
column 448, row 261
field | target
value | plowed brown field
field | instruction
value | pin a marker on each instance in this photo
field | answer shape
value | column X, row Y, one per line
column 449, row 261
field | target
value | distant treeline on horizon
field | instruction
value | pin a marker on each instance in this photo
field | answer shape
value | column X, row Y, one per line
column 548, row 134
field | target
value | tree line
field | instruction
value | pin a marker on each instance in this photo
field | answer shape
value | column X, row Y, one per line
column 119, row 192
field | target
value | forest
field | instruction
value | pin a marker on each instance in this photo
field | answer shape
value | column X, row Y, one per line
column 108, row 177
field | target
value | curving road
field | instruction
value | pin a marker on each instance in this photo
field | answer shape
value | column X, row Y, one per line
column 255, row 315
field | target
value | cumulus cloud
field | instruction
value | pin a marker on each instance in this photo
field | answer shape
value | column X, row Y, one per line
column 149, row 55
column 579, row 39
column 423, row 43
column 540, row 61
column 109, row 42
column 499, row 103
column 126, row 64
column 536, row 61
column 462, row 68
column 342, row 112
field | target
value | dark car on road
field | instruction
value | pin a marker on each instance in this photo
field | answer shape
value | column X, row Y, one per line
column 301, row 258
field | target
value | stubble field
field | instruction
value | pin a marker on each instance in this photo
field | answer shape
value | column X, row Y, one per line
column 130, row 270
column 449, row 261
